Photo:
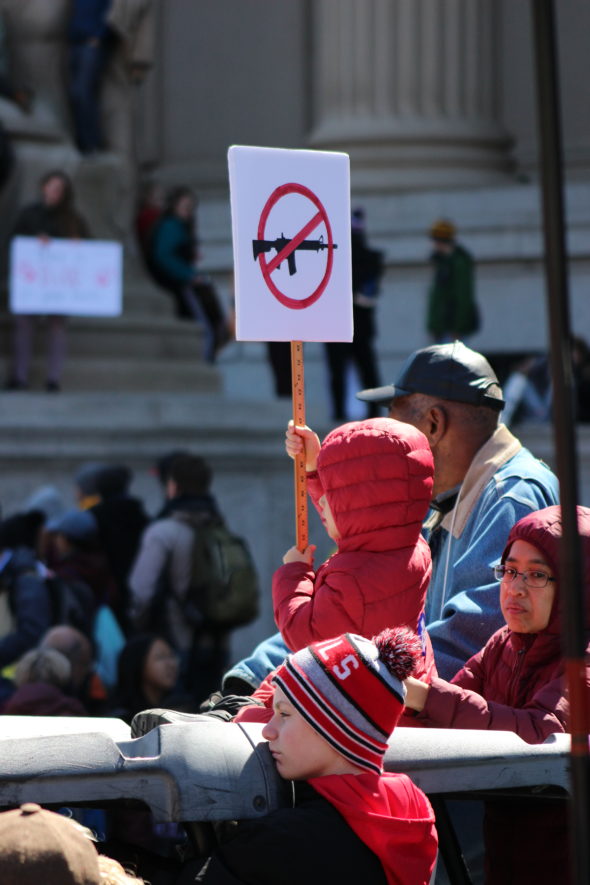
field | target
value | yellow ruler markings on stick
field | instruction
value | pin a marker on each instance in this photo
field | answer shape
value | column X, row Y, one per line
column 300, row 476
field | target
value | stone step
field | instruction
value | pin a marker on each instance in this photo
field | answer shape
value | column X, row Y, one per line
column 133, row 374
column 141, row 337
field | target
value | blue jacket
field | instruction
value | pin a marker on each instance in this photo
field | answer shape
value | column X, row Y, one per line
column 504, row 483
column 88, row 19
column 29, row 603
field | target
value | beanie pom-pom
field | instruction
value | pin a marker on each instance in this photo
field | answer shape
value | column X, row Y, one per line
column 399, row 649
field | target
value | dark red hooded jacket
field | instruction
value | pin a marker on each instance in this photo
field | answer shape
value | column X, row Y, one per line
column 516, row 683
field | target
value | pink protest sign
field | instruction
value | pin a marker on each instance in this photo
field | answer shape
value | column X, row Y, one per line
column 70, row 277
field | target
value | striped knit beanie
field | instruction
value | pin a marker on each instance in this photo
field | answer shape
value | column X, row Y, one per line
column 350, row 690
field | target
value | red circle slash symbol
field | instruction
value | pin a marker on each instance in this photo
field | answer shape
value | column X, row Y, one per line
column 285, row 248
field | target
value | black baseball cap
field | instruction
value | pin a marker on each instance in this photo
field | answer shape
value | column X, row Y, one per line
column 449, row 371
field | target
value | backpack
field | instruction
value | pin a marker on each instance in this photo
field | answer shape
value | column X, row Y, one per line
column 224, row 591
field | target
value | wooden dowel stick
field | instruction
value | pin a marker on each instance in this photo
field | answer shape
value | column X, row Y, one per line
column 300, row 476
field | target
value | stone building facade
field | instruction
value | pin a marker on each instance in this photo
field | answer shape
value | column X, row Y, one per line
column 434, row 100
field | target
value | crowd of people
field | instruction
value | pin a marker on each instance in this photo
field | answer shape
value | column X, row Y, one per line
column 92, row 597
column 438, row 608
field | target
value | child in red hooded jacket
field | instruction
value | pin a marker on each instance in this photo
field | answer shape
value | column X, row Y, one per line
column 335, row 705
column 516, row 683
column 371, row 481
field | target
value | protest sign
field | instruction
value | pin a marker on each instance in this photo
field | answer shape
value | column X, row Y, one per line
column 69, row 277
column 291, row 238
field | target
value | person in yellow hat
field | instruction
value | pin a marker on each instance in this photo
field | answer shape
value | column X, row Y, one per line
column 452, row 308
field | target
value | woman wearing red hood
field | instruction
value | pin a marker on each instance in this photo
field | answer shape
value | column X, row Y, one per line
column 516, row 683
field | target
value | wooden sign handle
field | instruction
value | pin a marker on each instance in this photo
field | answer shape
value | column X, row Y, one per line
column 300, row 475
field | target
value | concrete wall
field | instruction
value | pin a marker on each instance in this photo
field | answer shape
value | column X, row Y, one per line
column 239, row 72
column 230, row 72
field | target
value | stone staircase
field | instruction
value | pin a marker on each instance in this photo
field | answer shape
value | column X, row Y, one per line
column 146, row 349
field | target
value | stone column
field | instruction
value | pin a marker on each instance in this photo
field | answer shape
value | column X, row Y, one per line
column 408, row 89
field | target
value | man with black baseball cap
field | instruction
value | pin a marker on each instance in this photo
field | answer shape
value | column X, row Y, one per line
column 484, row 482
column 447, row 371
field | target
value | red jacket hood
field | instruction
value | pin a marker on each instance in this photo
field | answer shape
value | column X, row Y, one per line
column 542, row 529
column 377, row 476
column 392, row 817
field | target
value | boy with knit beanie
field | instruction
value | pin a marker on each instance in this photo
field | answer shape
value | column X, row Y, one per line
column 335, row 705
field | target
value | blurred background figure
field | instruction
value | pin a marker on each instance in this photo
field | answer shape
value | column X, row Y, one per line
column 172, row 261
column 151, row 203
column 73, row 553
column 147, row 676
column 161, row 470
column 528, row 392
column 367, row 271
column 120, row 520
column 89, row 40
column 85, row 488
column 42, row 677
column 452, row 308
column 25, row 607
column 279, row 358
column 53, row 216
column 581, row 368
column 85, row 683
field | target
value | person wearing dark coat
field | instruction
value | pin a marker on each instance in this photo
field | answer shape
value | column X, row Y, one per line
column 21, row 578
column 74, row 554
column 367, row 270
column 53, row 216
column 120, row 520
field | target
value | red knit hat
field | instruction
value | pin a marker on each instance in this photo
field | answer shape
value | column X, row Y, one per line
column 350, row 690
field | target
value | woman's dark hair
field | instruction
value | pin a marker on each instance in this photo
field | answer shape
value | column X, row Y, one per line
column 175, row 195
column 21, row 529
column 72, row 223
column 67, row 201
column 129, row 693
column 191, row 473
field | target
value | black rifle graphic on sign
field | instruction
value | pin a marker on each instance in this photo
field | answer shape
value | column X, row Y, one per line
column 259, row 246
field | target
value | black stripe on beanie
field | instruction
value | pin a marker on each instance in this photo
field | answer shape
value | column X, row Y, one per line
column 361, row 761
column 374, row 672
column 342, row 722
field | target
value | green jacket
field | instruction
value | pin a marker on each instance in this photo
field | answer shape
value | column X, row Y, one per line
column 452, row 309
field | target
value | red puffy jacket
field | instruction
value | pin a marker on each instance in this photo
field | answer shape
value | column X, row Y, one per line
column 377, row 476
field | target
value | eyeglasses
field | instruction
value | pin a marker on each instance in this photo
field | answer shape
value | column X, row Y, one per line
column 532, row 578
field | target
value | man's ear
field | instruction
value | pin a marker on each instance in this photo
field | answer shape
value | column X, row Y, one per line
column 437, row 422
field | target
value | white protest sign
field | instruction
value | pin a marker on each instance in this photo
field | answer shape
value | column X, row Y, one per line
column 70, row 277
column 291, row 238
